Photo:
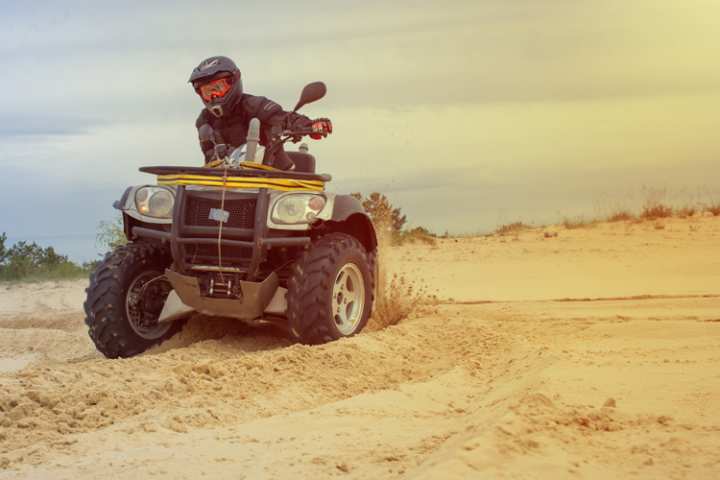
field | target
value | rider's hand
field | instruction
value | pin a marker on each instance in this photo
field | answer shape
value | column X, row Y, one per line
column 321, row 127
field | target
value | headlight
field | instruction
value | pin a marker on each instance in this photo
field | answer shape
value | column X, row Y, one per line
column 155, row 202
column 297, row 208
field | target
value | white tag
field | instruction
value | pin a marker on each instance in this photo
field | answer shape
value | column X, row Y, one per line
column 219, row 215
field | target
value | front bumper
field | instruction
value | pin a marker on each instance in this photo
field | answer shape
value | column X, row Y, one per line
column 184, row 238
column 255, row 298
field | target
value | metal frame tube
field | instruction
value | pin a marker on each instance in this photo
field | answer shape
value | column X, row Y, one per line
column 258, row 255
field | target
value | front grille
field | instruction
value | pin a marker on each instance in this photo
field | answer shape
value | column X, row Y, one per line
column 208, row 255
column 242, row 212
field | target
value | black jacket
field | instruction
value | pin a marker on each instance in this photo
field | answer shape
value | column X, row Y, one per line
column 232, row 127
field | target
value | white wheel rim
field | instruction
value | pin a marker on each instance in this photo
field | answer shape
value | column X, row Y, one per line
column 348, row 298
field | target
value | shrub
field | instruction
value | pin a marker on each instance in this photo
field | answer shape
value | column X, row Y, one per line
column 111, row 234
column 655, row 204
column 511, row 228
column 3, row 249
column 714, row 209
column 30, row 261
column 417, row 234
column 382, row 212
column 654, row 211
column 576, row 222
column 389, row 221
column 685, row 212
column 621, row 216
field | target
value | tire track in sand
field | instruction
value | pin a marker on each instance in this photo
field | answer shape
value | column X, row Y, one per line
column 222, row 381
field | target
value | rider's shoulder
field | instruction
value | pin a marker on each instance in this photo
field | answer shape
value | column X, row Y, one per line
column 203, row 118
column 257, row 103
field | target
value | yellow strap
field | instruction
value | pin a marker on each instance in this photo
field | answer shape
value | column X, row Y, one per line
column 283, row 184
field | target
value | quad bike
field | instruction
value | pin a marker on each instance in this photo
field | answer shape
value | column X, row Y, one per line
column 240, row 240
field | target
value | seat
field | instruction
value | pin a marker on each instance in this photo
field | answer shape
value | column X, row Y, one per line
column 304, row 162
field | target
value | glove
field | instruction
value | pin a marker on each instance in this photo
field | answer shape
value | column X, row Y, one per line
column 321, row 127
column 214, row 163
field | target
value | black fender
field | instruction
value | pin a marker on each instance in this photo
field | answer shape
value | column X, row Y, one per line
column 120, row 204
column 349, row 216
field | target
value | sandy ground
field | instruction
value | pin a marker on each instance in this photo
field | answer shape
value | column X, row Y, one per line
column 593, row 354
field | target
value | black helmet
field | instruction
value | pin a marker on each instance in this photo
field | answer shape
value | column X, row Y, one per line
column 221, row 79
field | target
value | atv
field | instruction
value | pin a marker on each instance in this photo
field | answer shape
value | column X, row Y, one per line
column 240, row 240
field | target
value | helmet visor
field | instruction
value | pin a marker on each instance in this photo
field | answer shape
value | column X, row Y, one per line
column 217, row 88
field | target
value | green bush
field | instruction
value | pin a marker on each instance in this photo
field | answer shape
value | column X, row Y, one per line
column 390, row 222
column 29, row 261
column 417, row 234
column 383, row 214
column 111, row 234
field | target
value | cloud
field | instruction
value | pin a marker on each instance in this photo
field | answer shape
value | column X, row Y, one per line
column 39, row 205
column 374, row 54
column 461, row 201
column 44, row 124
column 470, row 101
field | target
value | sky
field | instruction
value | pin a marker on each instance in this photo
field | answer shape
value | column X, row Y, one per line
column 467, row 114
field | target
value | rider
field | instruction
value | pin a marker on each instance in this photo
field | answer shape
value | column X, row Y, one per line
column 228, row 112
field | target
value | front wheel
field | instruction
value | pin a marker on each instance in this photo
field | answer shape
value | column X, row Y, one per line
column 331, row 290
column 126, row 294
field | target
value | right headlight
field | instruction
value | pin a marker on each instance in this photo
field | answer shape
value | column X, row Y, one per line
column 297, row 208
column 155, row 202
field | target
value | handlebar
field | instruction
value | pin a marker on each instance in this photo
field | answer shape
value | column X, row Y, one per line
column 300, row 132
column 294, row 135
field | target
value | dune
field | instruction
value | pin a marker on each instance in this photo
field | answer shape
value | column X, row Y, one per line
column 588, row 353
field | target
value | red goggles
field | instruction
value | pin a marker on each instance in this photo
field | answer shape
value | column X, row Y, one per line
column 217, row 88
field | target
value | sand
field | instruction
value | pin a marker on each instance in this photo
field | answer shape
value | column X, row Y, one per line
column 590, row 354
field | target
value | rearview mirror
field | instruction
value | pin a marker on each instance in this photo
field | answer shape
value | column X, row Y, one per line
column 311, row 93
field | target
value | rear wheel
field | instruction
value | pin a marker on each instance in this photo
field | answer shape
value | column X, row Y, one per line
column 330, row 290
column 126, row 295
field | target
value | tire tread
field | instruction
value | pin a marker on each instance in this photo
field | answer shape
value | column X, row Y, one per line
column 310, row 288
column 104, row 305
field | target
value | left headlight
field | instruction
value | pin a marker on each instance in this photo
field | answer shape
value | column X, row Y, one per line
column 155, row 202
column 297, row 208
